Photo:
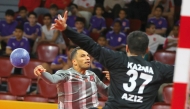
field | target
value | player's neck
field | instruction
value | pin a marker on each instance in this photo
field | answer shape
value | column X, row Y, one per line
column 129, row 54
column 80, row 70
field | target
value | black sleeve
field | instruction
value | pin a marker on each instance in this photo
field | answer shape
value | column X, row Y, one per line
column 108, row 58
column 166, row 71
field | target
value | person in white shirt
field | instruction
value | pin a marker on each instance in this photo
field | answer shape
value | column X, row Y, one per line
column 50, row 36
column 85, row 8
column 155, row 39
column 174, row 36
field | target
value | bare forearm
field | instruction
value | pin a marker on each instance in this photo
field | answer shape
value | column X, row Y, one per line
column 8, row 51
column 85, row 9
column 160, row 31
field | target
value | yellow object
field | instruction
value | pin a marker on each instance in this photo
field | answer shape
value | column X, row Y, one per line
column 6, row 104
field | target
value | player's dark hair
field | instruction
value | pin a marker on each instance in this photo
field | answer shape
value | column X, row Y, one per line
column 119, row 22
column 149, row 24
column 137, row 42
column 74, row 52
column 22, row 8
column 20, row 27
column 9, row 12
column 47, row 15
column 80, row 19
column 32, row 13
column 54, row 6
column 161, row 7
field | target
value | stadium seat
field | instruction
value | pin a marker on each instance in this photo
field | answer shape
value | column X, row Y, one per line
column 7, row 97
column 109, row 22
column 35, row 99
column 47, row 90
column 28, row 70
column 166, row 57
column 5, row 70
column 94, row 36
column 47, row 52
column 161, row 105
column 18, row 85
column 135, row 24
column 167, row 93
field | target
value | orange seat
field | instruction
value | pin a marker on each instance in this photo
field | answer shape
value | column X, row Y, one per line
column 166, row 57
column 167, row 93
column 47, row 52
column 28, row 70
column 47, row 90
column 135, row 24
column 161, row 105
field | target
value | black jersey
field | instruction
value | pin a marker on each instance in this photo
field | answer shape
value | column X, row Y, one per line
column 134, row 82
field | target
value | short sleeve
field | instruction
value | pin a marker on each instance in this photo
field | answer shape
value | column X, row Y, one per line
column 127, row 24
column 92, row 3
column 39, row 31
column 103, row 23
column 124, row 40
column 9, row 44
column 161, row 39
column 27, row 45
column 108, row 36
column 164, row 24
column 55, row 60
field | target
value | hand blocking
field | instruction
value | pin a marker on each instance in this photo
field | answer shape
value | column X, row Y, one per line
column 38, row 70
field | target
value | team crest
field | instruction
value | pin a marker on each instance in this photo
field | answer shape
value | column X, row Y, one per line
column 124, row 23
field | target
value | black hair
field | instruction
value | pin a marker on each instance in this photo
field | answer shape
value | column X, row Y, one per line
column 74, row 52
column 149, row 24
column 137, row 42
column 20, row 27
column 80, row 19
column 9, row 12
column 98, row 6
column 22, row 8
column 122, row 9
column 54, row 6
column 72, row 4
column 102, row 37
column 32, row 13
column 47, row 15
column 118, row 21
column 161, row 7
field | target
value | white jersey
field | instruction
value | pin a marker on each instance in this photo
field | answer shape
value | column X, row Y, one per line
column 175, row 41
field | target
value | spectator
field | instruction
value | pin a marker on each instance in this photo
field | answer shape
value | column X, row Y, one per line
column 22, row 17
column 124, row 21
column 102, row 41
column 18, row 41
column 97, row 22
column 159, row 21
column 79, row 26
column 32, row 29
column 74, row 14
column 50, row 36
column 85, row 8
column 154, row 39
column 53, row 10
column 112, row 7
column 174, row 36
column 29, row 4
column 139, row 9
column 168, row 10
column 7, row 26
column 116, row 39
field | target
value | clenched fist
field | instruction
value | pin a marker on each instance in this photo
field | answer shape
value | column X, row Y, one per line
column 38, row 70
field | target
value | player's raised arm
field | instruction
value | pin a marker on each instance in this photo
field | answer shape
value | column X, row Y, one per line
column 49, row 78
column 106, row 57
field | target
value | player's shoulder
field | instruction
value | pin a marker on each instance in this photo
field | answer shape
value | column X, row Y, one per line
column 60, row 72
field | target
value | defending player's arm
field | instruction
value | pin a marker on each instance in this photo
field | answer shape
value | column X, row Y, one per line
column 49, row 78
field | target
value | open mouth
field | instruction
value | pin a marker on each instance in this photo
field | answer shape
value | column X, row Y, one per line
column 87, row 62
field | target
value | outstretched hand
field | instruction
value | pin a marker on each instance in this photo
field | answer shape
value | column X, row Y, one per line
column 38, row 70
column 60, row 22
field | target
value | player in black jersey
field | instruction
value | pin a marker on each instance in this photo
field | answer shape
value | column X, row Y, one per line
column 134, row 82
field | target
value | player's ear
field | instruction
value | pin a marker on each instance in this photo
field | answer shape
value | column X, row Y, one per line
column 127, row 48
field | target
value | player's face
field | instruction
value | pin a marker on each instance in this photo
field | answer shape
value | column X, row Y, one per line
column 53, row 12
column 32, row 19
column 102, row 41
column 18, row 33
column 82, row 59
column 152, row 29
column 99, row 11
column 116, row 27
column 23, row 13
column 47, row 21
column 122, row 14
column 79, row 25
column 158, row 12
column 73, row 9
column 9, row 18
